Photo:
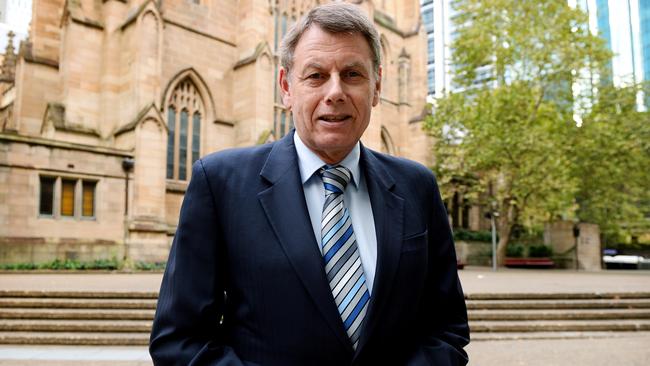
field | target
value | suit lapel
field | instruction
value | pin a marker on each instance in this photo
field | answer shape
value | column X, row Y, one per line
column 285, row 207
column 388, row 213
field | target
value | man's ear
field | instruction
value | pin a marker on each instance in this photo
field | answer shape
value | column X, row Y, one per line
column 284, row 88
column 377, row 88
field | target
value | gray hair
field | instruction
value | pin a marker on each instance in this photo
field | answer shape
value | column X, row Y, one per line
column 333, row 18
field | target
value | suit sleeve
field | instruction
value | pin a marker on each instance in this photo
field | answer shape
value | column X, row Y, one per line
column 443, row 307
column 187, row 327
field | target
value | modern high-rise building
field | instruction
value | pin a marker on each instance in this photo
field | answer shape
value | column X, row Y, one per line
column 644, row 19
column 427, row 20
column 438, row 17
column 624, row 24
column 625, row 27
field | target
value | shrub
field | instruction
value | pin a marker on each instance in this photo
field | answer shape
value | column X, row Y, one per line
column 67, row 264
column 19, row 266
column 462, row 234
column 540, row 250
column 149, row 266
column 515, row 250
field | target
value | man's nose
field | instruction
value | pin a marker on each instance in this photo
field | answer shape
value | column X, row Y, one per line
column 335, row 92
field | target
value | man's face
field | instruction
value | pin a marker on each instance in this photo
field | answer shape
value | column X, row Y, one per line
column 331, row 90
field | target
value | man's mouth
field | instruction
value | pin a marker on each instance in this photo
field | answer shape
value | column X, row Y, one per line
column 334, row 117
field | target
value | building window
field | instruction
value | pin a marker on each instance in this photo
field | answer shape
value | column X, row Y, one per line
column 88, row 198
column 67, row 197
column 171, row 120
column 75, row 198
column 184, row 140
column 182, row 150
column 283, row 25
column 282, row 122
column 196, row 136
column 46, row 204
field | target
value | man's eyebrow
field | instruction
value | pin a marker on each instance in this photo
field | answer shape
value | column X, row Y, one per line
column 354, row 65
column 312, row 65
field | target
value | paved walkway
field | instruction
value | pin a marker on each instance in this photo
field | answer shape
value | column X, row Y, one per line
column 482, row 280
column 626, row 349
column 474, row 280
column 73, row 355
column 81, row 281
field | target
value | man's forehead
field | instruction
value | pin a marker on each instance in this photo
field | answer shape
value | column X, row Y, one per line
column 314, row 63
column 316, row 37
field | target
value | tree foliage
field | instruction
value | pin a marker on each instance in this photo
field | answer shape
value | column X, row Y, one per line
column 507, row 134
column 611, row 162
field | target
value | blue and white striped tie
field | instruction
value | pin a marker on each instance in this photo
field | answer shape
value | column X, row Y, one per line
column 341, row 255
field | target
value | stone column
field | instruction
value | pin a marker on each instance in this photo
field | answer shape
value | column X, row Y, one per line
column 147, row 229
column 589, row 250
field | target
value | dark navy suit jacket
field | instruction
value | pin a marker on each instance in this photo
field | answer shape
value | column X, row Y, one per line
column 245, row 281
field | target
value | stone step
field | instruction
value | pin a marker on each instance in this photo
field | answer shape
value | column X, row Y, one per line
column 80, row 294
column 504, row 336
column 77, row 303
column 558, row 296
column 79, row 314
column 28, row 325
column 76, row 339
column 559, row 304
column 560, row 326
column 558, row 314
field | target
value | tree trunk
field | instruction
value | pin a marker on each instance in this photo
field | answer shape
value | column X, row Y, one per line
column 504, row 237
column 504, row 223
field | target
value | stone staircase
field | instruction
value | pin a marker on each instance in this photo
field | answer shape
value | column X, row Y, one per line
column 76, row 318
column 124, row 318
column 556, row 315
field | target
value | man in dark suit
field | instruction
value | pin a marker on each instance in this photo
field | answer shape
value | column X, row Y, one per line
column 314, row 250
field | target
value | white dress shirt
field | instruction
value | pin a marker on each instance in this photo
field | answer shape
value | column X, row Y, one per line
column 356, row 199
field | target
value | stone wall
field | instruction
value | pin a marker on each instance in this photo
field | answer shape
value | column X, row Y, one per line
column 476, row 253
column 28, row 236
column 93, row 87
column 560, row 236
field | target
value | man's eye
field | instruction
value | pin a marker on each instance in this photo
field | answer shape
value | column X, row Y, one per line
column 353, row 74
column 315, row 76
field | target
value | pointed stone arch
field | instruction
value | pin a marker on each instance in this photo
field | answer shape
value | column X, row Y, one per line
column 149, row 40
column 201, row 85
column 187, row 106
column 387, row 144
column 387, row 71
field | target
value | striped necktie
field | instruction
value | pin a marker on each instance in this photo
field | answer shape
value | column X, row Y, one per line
column 342, row 261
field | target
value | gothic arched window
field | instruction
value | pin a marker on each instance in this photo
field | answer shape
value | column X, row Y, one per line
column 184, row 113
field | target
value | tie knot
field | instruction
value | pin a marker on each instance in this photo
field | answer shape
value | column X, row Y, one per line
column 335, row 178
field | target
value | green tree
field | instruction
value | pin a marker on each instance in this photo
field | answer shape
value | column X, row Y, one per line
column 510, row 128
column 611, row 159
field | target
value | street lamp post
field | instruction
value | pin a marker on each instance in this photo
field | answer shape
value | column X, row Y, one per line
column 492, row 216
column 127, row 166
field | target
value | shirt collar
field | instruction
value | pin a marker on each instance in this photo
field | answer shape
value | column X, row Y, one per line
column 309, row 163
